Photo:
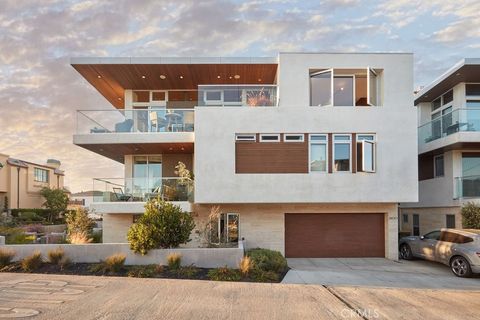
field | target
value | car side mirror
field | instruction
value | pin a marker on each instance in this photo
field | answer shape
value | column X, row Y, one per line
column 422, row 238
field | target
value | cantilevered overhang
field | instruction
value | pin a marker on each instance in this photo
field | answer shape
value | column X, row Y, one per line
column 116, row 145
column 467, row 70
column 112, row 76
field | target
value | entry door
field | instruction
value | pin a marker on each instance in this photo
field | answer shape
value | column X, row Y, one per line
column 416, row 225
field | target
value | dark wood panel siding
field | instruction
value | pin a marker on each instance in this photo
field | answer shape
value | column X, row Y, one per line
column 334, row 235
column 425, row 167
column 271, row 157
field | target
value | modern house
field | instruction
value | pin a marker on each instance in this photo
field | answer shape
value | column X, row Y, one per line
column 305, row 153
column 21, row 182
column 448, row 149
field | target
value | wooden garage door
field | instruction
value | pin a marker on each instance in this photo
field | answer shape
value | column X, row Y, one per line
column 334, row 235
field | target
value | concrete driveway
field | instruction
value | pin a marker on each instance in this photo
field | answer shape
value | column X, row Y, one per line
column 376, row 272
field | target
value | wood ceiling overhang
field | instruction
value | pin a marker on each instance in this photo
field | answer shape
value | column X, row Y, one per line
column 111, row 80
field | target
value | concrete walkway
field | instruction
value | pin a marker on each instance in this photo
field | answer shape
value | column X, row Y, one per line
column 376, row 272
column 83, row 297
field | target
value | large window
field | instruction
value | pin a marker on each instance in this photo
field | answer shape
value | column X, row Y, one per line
column 344, row 87
column 40, row 175
column 438, row 165
column 470, row 164
column 147, row 174
column 341, row 152
column 318, row 153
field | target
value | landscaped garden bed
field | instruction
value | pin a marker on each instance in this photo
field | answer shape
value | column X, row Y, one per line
column 259, row 265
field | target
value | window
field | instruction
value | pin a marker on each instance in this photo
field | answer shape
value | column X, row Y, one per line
column 318, row 153
column 438, row 166
column 232, row 96
column 40, row 175
column 405, row 218
column 343, row 90
column 321, row 88
column 437, row 103
column 443, row 100
column 454, row 237
column 141, row 96
column 289, row 137
column 447, row 97
column 245, row 137
column 224, row 228
column 473, row 104
column 366, row 153
column 416, row 225
column 341, row 153
column 268, row 137
column 450, row 221
column 472, row 89
column 213, row 97
column 159, row 95
column 147, row 174
column 434, row 235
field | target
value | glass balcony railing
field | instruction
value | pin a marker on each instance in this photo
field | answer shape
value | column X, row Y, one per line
column 467, row 187
column 458, row 120
column 237, row 95
column 142, row 189
column 135, row 120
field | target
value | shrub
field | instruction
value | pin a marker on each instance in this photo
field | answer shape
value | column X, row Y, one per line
column 267, row 260
column 259, row 275
column 29, row 216
column 56, row 256
column 15, row 235
column 115, row 262
column 79, row 226
column 148, row 271
column 245, row 265
column 6, row 257
column 188, row 272
column 471, row 216
column 163, row 225
column 32, row 262
column 224, row 274
column 174, row 261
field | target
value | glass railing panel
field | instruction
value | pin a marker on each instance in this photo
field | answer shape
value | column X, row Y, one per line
column 467, row 187
column 142, row 189
column 237, row 95
column 135, row 120
column 458, row 120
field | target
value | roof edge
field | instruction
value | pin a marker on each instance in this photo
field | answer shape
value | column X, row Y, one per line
column 173, row 60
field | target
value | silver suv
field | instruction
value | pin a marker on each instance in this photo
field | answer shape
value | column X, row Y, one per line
column 459, row 249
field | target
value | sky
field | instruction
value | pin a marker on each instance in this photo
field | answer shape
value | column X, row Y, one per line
column 40, row 91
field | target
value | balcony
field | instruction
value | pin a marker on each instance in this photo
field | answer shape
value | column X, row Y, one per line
column 134, row 120
column 237, row 95
column 128, row 195
column 467, row 187
column 453, row 127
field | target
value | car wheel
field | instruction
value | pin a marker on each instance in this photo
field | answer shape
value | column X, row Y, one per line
column 406, row 252
column 461, row 267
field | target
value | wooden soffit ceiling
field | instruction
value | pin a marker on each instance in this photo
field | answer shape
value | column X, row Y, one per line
column 111, row 80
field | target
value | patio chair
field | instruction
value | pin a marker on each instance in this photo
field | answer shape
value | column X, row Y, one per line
column 120, row 196
column 125, row 126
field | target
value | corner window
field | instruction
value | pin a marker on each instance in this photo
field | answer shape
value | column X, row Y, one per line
column 341, row 153
column 289, row 137
column 267, row 137
column 438, row 165
column 245, row 137
column 450, row 223
column 40, row 175
column 318, row 153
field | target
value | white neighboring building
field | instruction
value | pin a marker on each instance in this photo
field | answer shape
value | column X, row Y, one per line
column 305, row 153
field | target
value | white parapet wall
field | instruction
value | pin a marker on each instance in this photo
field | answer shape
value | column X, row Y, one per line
column 92, row 253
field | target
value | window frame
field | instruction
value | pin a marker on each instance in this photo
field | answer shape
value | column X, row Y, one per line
column 349, row 141
column 43, row 178
column 435, row 166
column 319, row 142
column 213, row 102
column 237, row 135
column 331, row 86
column 262, row 135
column 301, row 135
column 442, row 105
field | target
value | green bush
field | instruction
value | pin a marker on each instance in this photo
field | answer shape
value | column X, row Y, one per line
column 224, row 274
column 148, row 271
column 32, row 262
column 29, row 216
column 56, row 256
column 471, row 216
column 15, row 235
column 6, row 257
column 38, row 211
column 187, row 272
column 259, row 275
column 115, row 262
column 174, row 261
column 268, row 260
column 163, row 225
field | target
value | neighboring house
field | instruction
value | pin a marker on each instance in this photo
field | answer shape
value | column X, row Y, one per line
column 21, row 181
column 448, row 150
column 305, row 153
column 85, row 198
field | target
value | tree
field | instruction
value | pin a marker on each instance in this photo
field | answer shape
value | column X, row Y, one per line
column 163, row 225
column 471, row 216
column 79, row 226
column 56, row 200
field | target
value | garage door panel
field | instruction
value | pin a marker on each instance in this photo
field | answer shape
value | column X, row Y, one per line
column 334, row 235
